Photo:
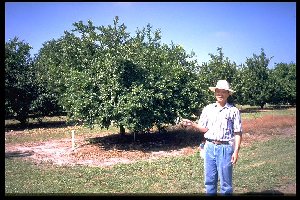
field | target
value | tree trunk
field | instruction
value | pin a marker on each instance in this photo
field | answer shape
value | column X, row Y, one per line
column 122, row 130
column 22, row 119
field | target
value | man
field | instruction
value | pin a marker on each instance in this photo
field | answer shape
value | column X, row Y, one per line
column 221, row 123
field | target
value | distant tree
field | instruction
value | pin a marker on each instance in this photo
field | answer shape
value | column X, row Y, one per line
column 239, row 85
column 218, row 67
column 20, row 89
column 47, row 102
column 102, row 74
column 283, row 82
column 252, row 81
column 292, row 88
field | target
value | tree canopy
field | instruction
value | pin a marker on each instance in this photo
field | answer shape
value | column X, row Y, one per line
column 103, row 74
column 20, row 88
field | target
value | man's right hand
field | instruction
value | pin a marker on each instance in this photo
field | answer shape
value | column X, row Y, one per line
column 186, row 122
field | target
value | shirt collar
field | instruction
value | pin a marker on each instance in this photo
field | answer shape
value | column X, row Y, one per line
column 227, row 105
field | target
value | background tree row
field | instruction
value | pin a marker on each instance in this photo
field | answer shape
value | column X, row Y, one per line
column 101, row 75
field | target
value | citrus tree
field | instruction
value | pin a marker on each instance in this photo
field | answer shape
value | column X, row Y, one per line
column 20, row 90
column 252, row 81
column 283, row 83
column 101, row 75
column 217, row 68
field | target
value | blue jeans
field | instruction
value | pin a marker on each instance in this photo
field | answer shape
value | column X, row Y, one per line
column 217, row 164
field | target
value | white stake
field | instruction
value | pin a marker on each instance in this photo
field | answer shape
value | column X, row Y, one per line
column 73, row 139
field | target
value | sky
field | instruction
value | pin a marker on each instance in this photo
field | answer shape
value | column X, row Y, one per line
column 241, row 29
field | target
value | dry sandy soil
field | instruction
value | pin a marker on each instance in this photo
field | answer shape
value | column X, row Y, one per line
column 110, row 149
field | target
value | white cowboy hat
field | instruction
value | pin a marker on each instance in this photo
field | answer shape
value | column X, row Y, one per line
column 222, row 84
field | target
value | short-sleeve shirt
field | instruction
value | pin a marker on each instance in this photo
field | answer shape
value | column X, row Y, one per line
column 221, row 122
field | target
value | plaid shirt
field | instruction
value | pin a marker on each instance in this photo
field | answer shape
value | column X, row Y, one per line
column 221, row 122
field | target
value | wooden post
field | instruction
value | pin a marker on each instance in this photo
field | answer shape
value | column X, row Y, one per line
column 73, row 139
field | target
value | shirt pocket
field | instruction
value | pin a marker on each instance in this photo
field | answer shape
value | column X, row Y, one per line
column 229, row 123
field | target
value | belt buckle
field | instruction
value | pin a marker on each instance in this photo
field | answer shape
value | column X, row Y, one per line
column 217, row 142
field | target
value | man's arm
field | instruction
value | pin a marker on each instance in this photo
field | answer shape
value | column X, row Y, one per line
column 200, row 128
column 187, row 122
column 238, row 141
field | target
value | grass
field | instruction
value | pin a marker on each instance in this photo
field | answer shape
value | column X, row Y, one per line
column 141, row 177
column 266, row 165
column 257, row 114
column 262, row 166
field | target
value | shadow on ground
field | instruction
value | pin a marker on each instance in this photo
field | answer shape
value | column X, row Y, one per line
column 34, row 125
column 19, row 127
column 12, row 154
column 266, row 192
column 173, row 138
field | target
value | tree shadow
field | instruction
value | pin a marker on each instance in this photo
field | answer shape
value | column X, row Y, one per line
column 266, row 193
column 34, row 125
column 12, row 154
column 172, row 138
column 50, row 124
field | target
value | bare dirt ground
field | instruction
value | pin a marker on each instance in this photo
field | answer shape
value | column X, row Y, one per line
column 109, row 149
column 102, row 153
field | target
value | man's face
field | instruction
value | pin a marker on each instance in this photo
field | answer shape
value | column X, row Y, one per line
column 221, row 95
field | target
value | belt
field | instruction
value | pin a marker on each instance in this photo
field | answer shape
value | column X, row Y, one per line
column 217, row 142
